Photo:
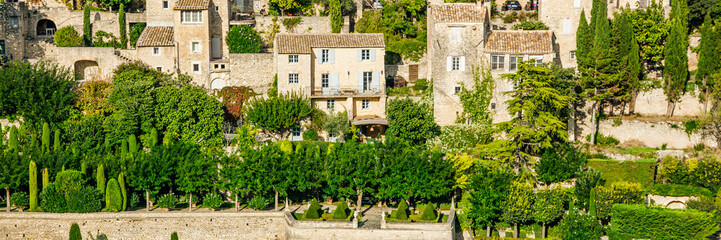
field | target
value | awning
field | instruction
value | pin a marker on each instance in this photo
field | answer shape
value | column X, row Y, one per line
column 369, row 120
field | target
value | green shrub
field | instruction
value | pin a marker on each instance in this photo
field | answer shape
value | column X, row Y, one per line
column 212, row 200
column 123, row 191
column 313, row 211
column 510, row 17
column 402, row 211
column 174, row 236
column 75, row 232
column 243, row 39
column 105, row 39
column 705, row 204
column 708, row 173
column 617, row 193
column 113, row 196
column 258, row 202
column 67, row 37
column 52, row 200
column 641, row 222
column 562, row 164
column 69, row 180
column 578, row 226
column 13, row 142
column 531, row 25
column 167, row 201
column 20, row 199
column 677, row 190
column 429, row 212
column 310, row 135
column 135, row 32
column 86, row 200
column 341, row 211
column 585, row 182
column 134, row 200
column 673, row 170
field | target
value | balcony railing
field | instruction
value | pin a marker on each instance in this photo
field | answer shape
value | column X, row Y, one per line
column 346, row 91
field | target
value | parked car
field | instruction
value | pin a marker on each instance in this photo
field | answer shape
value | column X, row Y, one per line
column 512, row 5
column 531, row 5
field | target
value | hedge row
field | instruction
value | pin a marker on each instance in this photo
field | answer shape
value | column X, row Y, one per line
column 641, row 222
column 678, row 190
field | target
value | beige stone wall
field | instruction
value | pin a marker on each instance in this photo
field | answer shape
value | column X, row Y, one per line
column 105, row 58
column 376, row 106
column 651, row 134
column 654, row 102
column 165, row 59
column 14, row 36
column 304, row 69
column 252, row 70
column 154, row 225
column 263, row 24
column 186, row 34
column 157, row 14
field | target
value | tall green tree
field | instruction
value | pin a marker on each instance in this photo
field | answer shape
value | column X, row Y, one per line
column 489, row 186
column 627, row 57
column 87, row 28
column 411, row 121
column 195, row 171
column 277, row 115
column 13, row 172
column 584, row 41
column 172, row 118
column 152, row 171
column 100, row 179
column 709, row 57
column 123, row 27
column 650, row 29
column 534, row 106
column 548, row 207
column 33, row 185
column 46, row 138
column 336, row 16
column 675, row 72
column 518, row 207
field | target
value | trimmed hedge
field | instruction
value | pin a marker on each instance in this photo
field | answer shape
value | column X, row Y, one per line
column 677, row 190
column 86, row 200
column 113, row 196
column 75, row 232
column 429, row 212
column 641, row 222
column 313, row 211
column 402, row 212
column 341, row 211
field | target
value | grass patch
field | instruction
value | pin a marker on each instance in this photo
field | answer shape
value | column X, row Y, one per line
column 628, row 171
column 677, row 190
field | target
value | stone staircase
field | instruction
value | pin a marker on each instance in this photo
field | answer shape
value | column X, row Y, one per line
column 123, row 57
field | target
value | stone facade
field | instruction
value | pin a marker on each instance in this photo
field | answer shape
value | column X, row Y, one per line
column 252, row 70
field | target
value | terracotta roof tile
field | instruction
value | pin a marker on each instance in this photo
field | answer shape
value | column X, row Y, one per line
column 458, row 12
column 191, row 4
column 521, row 42
column 156, row 36
column 303, row 43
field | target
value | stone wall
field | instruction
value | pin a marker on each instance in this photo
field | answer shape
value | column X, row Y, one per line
column 255, row 70
column 104, row 57
column 263, row 24
column 670, row 202
column 135, row 225
column 654, row 102
column 652, row 134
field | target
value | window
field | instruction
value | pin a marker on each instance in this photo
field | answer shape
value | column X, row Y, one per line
column 156, row 51
column 536, row 60
column 455, row 34
column 191, row 17
column 324, row 55
column 514, row 60
column 330, row 104
column 493, row 106
column 577, row 3
column 497, row 62
column 217, row 9
column 293, row 78
column 14, row 22
column 573, row 54
column 567, row 26
column 456, row 63
column 195, row 47
column 296, row 130
column 457, row 90
column 2, row 46
column 292, row 58
column 324, row 80
column 165, row 4
column 366, row 104
column 366, row 54
column 160, row 69
column 196, row 67
column 367, row 79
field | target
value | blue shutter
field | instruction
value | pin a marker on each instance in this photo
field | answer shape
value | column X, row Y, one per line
column 334, row 83
column 331, row 56
column 373, row 55
column 318, row 55
column 376, row 83
column 360, row 82
column 360, row 55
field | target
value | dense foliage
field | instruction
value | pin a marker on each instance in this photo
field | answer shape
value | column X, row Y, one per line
column 243, row 39
column 411, row 121
column 638, row 221
column 67, row 37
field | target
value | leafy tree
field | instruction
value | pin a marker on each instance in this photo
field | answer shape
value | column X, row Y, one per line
column 87, row 28
column 534, row 106
column 708, row 57
column 151, row 171
column 352, row 172
column 135, row 31
column 203, row 126
column 578, row 226
column 75, row 232
column 195, row 171
column 121, row 22
column 233, row 99
column 133, row 98
column 67, row 37
column 560, row 164
column 276, row 115
column 336, row 17
column 628, row 59
column 675, row 71
column 234, row 176
column 115, row 3
column 410, row 121
column 700, row 8
column 547, row 207
column 13, row 172
column 650, row 29
column 489, row 187
column 93, row 97
column 592, row 203
column 518, row 207
column 284, row 5
column 337, row 124
column 244, row 39
column 586, row 181
column 476, row 99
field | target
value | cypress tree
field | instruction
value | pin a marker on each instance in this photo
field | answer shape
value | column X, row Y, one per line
column 123, row 148
column 84, row 167
column 153, row 137
column 123, row 191
column 33, row 183
column 13, row 143
column 46, row 178
column 121, row 21
column 75, row 232
column 336, row 18
column 174, row 236
column 87, row 29
column 675, row 72
column 628, row 65
column 113, row 196
column 100, row 179
column 132, row 144
column 46, row 137
column 583, row 46
column 166, row 140
column 709, row 59
column 56, row 140
column 592, row 203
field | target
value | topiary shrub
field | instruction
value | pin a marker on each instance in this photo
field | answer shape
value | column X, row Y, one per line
column 20, row 200
column 167, row 201
column 212, row 200
column 52, row 200
column 13, row 141
column 46, row 178
column 313, row 211
column 429, row 212
column 75, row 232
column 402, row 211
column 174, row 236
column 86, row 200
column 100, row 179
column 134, row 200
column 576, row 225
column 67, row 37
column 341, row 210
column 310, row 135
column 113, row 197
column 243, row 39
column 46, row 137
column 258, row 202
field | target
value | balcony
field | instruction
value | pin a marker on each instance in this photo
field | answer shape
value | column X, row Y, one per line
column 330, row 92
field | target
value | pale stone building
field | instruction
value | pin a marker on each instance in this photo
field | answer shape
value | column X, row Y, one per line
column 339, row 73
column 461, row 42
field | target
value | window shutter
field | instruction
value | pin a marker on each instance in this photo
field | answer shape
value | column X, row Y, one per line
column 334, row 82
column 360, row 55
column 318, row 55
column 567, row 26
column 360, row 82
column 331, row 56
column 449, row 63
column 375, row 83
column 576, row 3
column 462, row 64
column 373, row 55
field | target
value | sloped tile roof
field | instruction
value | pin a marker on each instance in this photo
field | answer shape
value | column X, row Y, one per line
column 303, row 43
column 458, row 12
column 521, row 42
column 191, row 4
column 156, row 36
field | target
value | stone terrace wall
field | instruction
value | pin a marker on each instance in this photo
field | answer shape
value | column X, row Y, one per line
column 135, row 225
column 255, row 70
column 306, row 25
column 654, row 102
column 652, row 134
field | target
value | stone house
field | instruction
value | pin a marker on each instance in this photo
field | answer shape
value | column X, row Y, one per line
column 461, row 42
column 339, row 73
